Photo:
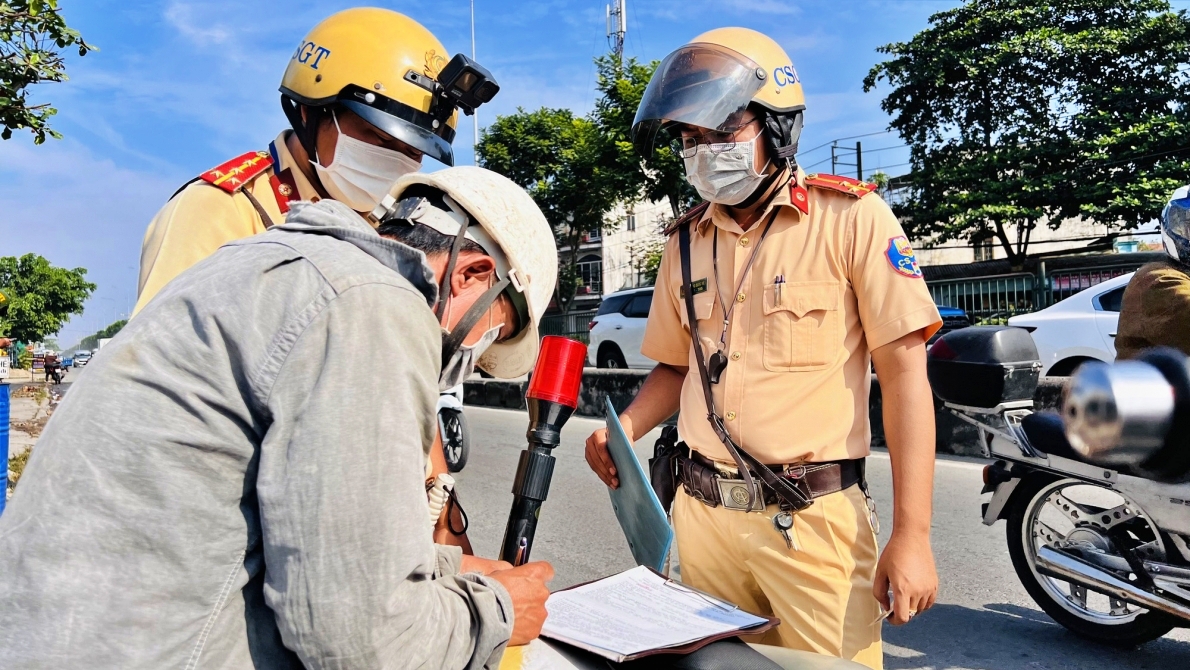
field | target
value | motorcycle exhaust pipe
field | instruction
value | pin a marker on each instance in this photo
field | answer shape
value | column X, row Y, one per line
column 1063, row 566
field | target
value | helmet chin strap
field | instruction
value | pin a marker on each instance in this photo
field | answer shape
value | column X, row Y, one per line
column 452, row 342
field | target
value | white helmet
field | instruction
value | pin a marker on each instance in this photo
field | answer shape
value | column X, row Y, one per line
column 505, row 221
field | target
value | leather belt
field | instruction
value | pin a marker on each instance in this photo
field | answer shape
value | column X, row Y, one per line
column 705, row 481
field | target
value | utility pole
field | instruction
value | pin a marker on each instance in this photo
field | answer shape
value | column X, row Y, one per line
column 617, row 26
column 838, row 153
column 859, row 161
column 475, row 114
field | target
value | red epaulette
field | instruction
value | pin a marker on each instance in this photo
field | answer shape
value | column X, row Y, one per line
column 852, row 187
column 692, row 214
column 237, row 172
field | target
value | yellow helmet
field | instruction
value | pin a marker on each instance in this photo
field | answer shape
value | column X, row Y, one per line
column 714, row 77
column 388, row 69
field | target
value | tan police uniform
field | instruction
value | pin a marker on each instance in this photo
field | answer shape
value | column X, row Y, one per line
column 835, row 278
column 1155, row 311
column 242, row 197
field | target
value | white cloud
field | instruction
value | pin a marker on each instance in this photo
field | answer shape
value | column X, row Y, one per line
column 78, row 209
column 182, row 17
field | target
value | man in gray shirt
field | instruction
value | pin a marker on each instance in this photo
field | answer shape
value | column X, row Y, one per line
column 238, row 479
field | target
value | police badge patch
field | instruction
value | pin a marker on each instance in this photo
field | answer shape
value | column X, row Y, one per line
column 900, row 256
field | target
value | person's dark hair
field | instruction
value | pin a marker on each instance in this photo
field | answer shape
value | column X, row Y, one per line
column 422, row 237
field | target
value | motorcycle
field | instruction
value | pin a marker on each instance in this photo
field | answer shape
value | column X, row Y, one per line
column 1098, row 526
column 452, row 426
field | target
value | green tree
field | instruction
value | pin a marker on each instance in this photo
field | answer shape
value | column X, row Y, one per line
column 42, row 296
column 579, row 168
column 92, row 341
column 562, row 161
column 33, row 35
column 1021, row 113
column 661, row 175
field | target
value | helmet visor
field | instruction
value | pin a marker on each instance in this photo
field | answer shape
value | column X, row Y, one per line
column 1176, row 218
column 702, row 85
column 414, row 127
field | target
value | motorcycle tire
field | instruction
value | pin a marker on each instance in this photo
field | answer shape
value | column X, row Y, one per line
column 1146, row 627
column 456, row 439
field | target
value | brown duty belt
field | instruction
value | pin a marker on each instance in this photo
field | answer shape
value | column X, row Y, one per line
column 703, row 480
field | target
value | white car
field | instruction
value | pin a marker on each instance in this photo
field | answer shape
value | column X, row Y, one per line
column 619, row 328
column 1078, row 329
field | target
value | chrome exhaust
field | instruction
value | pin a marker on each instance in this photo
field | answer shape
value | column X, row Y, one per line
column 1063, row 566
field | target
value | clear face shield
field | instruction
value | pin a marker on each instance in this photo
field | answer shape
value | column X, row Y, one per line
column 701, row 85
column 1175, row 229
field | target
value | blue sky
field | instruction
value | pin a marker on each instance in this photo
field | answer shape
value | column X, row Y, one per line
column 178, row 87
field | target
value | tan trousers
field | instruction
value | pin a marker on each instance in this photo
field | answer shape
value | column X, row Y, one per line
column 821, row 590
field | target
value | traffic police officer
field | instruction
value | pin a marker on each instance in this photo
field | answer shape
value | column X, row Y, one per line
column 798, row 283
column 358, row 92
column 1156, row 307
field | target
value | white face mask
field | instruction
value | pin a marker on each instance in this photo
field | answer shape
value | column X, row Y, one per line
column 462, row 363
column 360, row 174
column 726, row 178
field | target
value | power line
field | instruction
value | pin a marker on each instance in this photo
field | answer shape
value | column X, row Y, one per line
column 840, row 139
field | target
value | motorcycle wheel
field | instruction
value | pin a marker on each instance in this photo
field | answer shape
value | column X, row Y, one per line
column 456, row 440
column 1049, row 511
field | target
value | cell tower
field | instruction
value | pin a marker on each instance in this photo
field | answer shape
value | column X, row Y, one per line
column 617, row 26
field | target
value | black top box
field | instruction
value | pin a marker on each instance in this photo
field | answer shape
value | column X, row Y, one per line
column 984, row 366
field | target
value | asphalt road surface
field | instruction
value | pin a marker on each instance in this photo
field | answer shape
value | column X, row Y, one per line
column 984, row 619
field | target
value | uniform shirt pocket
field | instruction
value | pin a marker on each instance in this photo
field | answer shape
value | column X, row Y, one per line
column 801, row 325
column 704, row 305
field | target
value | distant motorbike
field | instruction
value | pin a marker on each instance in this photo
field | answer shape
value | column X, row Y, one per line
column 1098, row 528
column 452, row 426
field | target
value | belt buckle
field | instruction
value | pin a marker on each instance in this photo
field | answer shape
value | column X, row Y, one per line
column 733, row 494
column 796, row 471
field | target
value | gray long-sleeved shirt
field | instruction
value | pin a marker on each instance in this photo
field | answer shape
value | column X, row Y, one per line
column 236, row 480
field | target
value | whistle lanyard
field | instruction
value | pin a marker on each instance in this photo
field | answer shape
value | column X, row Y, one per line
column 727, row 311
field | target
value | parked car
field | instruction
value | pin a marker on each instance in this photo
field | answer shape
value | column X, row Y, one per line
column 619, row 328
column 1078, row 329
column 81, row 358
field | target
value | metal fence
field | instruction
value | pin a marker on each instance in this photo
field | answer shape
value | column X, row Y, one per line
column 573, row 325
column 992, row 300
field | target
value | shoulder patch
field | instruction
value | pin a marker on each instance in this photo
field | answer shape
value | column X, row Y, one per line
column 900, row 255
column 237, row 172
column 852, row 187
column 693, row 214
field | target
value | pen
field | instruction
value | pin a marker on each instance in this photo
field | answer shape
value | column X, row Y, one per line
column 522, row 549
column 779, row 283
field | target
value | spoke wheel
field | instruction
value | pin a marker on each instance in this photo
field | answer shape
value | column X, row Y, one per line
column 1072, row 515
column 455, row 439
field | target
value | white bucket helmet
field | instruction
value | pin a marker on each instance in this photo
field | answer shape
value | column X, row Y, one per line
column 505, row 221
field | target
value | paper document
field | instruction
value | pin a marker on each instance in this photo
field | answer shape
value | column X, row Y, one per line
column 643, row 520
column 639, row 611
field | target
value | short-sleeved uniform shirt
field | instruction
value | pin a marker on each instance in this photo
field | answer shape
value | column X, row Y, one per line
column 201, row 218
column 835, row 278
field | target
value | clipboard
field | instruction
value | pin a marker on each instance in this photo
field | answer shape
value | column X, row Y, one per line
column 766, row 625
column 643, row 520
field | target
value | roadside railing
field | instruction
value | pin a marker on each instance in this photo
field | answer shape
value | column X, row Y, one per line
column 987, row 300
column 992, row 300
column 573, row 325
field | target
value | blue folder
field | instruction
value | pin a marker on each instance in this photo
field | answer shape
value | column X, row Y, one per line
column 644, row 522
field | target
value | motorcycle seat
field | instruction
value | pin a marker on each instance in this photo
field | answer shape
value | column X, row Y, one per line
column 1047, row 434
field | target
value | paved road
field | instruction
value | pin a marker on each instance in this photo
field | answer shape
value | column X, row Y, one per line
column 984, row 620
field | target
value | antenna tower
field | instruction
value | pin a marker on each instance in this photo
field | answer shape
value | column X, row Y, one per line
column 617, row 26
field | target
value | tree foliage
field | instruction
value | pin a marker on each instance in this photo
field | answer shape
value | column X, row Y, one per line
column 33, row 35
column 1021, row 113
column 41, row 297
column 92, row 341
column 577, row 169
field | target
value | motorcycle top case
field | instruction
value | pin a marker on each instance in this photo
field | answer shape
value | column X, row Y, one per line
column 983, row 366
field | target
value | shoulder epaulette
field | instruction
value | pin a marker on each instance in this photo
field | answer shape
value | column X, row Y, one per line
column 237, row 172
column 693, row 214
column 833, row 182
